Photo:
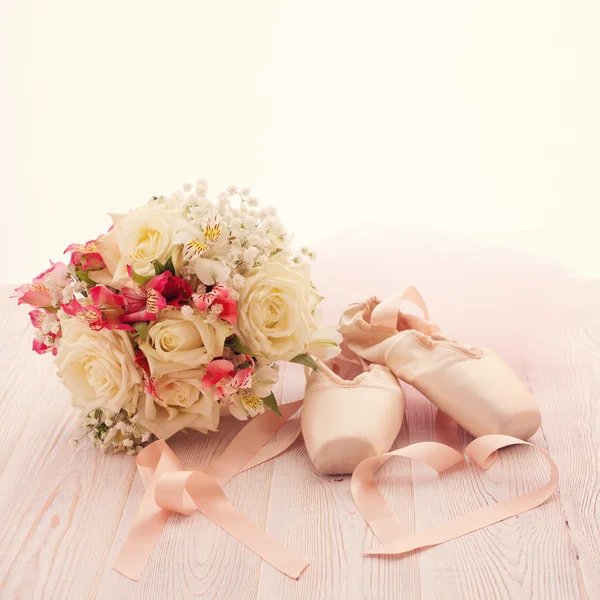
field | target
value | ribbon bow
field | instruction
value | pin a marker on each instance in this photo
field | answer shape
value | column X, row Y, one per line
column 171, row 487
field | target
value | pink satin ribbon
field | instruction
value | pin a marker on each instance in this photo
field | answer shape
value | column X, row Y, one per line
column 387, row 527
column 171, row 487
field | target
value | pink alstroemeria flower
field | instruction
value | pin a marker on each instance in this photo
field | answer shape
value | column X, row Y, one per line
column 105, row 311
column 143, row 303
column 37, row 317
column 219, row 295
column 149, row 381
column 218, row 374
column 86, row 256
column 215, row 371
column 38, row 292
column 41, row 348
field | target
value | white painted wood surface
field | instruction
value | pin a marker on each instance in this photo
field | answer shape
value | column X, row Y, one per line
column 64, row 511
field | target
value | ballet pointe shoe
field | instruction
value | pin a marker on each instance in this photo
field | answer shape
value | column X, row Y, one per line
column 345, row 421
column 472, row 385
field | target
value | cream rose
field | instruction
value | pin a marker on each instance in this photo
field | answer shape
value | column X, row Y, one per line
column 98, row 367
column 182, row 403
column 177, row 342
column 275, row 311
column 140, row 237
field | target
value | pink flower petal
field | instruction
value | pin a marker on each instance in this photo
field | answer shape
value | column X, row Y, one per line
column 140, row 315
column 242, row 378
column 40, row 347
column 215, row 371
column 37, row 317
column 218, row 295
column 102, row 296
column 34, row 294
column 58, row 271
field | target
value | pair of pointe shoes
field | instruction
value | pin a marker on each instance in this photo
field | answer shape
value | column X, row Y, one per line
column 354, row 410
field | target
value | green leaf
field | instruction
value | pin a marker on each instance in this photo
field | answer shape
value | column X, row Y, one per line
column 142, row 330
column 169, row 266
column 158, row 266
column 306, row 360
column 271, row 402
column 140, row 279
column 238, row 347
column 83, row 276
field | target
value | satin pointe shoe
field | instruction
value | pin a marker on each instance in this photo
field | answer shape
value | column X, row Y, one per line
column 473, row 386
column 350, row 416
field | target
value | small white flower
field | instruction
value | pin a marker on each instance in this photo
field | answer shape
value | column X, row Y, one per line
column 187, row 188
column 67, row 295
column 128, row 443
column 238, row 281
column 263, row 381
column 232, row 190
column 187, row 311
column 222, row 205
column 201, row 187
column 145, row 437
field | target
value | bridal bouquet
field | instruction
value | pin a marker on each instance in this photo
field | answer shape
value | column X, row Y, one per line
column 178, row 313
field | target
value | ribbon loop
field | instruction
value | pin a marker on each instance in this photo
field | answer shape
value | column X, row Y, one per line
column 483, row 450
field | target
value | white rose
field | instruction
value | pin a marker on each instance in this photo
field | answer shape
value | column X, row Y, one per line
column 275, row 311
column 98, row 367
column 177, row 342
column 182, row 403
column 139, row 237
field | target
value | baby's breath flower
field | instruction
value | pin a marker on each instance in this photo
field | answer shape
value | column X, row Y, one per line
column 187, row 311
column 237, row 281
column 213, row 313
column 201, row 187
column 117, row 433
column 67, row 294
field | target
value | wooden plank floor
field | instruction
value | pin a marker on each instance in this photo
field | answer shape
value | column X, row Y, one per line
column 64, row 511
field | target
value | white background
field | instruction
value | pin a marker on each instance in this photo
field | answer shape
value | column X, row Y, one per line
column 474, row 118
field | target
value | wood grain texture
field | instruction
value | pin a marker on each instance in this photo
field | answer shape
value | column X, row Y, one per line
column 65, row 511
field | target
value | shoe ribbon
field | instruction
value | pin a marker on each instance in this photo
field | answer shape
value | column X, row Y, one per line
column 171, row 487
